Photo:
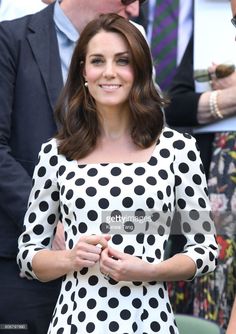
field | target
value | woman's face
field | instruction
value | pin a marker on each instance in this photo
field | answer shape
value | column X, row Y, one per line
column 108, row 69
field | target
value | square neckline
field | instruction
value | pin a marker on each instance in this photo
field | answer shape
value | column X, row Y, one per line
column 82, row 165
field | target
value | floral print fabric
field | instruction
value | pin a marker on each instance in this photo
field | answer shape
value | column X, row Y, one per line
column 211, row 296
column 214, row 293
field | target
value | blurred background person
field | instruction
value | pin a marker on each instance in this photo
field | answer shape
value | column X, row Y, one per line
column 169, row 25
column 211, row 116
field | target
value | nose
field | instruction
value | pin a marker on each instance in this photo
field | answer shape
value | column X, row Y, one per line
column 131, row 10
column 109, row 70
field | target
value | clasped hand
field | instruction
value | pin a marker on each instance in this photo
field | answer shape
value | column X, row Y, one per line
column 117, row 265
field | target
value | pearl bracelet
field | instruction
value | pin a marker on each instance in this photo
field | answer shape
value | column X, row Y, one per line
column 215, row 111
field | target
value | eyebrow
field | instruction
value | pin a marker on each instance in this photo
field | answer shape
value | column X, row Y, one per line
column 116, row 55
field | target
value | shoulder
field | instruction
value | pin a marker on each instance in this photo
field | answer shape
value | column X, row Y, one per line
column 174, row 135
column 19, row 26
column 50, row 146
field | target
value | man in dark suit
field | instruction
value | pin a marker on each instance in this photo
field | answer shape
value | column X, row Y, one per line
column 32, row 70
column 182, row 113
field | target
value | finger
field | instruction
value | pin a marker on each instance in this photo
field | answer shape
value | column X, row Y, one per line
column 89, row 256
column 115, row 254
column 103, row 242
column 96, row 240
column 86, row 247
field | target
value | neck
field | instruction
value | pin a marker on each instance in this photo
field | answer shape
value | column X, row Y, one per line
column 115, row 125
column 78, row 12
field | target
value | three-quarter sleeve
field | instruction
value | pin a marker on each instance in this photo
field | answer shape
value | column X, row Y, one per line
column 43, row 210
column 193, row 216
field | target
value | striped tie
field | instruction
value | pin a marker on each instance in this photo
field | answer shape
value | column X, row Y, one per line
column 164, row 41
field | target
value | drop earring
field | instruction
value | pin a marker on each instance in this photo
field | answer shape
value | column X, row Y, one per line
column 86, row 84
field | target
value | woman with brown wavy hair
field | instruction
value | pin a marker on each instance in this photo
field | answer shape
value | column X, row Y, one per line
column 114, row 175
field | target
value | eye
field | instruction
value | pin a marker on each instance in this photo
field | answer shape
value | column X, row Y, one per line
column 123, row 61
column 97, row 60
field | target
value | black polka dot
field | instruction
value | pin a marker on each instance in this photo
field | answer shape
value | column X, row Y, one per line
column 53, row 160
column 80, row 203
column 91, row 191
column 81, row 316
column 139, row 171
column 102, row 292
column 113, row 326
column 115, row 171
column 70, row 175
column 127, row 180
column 43, row 206
column 91, row 303
column 93, row 280
column 153, row 302
column 104, row 181
column 83, row 228
column 164, row 316
column 152, row 161
column 179, row 144
column 199, row 238
column 125, row 291
column 127, row 202
column 163, row 174
column 165, row 153
column 47, row 148
column 103, row 203
column 151, row 180
column 90, row 327
column 115, row 191
column 32, row 217
column 92, row 172
column 113, row 302
column 183, row 168
column 192, row 156
column 79, row 182
column 41, row 171
column 102, row 315
column 92, row 215
column 62, row 170
column 155, row 326
column 137, row 303
column 139, row 190
column 117, row 239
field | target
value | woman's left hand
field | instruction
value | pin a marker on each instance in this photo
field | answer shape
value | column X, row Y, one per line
column 124, row 267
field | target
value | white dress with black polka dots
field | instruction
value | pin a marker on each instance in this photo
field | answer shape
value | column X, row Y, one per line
column 135, row 203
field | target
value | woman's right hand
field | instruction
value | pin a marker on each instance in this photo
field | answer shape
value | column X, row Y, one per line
column 87, row 251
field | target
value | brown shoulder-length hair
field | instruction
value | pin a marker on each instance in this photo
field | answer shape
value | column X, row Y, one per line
column 76, row 113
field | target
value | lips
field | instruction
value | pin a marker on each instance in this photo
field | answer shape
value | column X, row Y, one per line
column 110, row 87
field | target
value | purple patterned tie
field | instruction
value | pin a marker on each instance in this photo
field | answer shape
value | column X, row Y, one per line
column 164, row 41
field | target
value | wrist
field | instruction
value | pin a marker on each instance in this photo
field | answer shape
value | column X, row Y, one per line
column 214, row 107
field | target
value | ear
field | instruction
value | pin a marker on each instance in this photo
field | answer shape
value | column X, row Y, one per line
column 84, row 75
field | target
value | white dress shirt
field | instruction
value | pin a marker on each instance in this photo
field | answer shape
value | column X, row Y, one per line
column 12, row 9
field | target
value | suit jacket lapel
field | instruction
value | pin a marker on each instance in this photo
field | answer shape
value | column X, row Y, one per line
column 43, row 41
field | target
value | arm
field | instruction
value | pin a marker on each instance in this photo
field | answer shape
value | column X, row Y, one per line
column 189, row 108
column 49, row 265
column 192, row 220
column 15, row 182
column 182, row 110
column 36, row 258
column 226, row 99
column 124, row 267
